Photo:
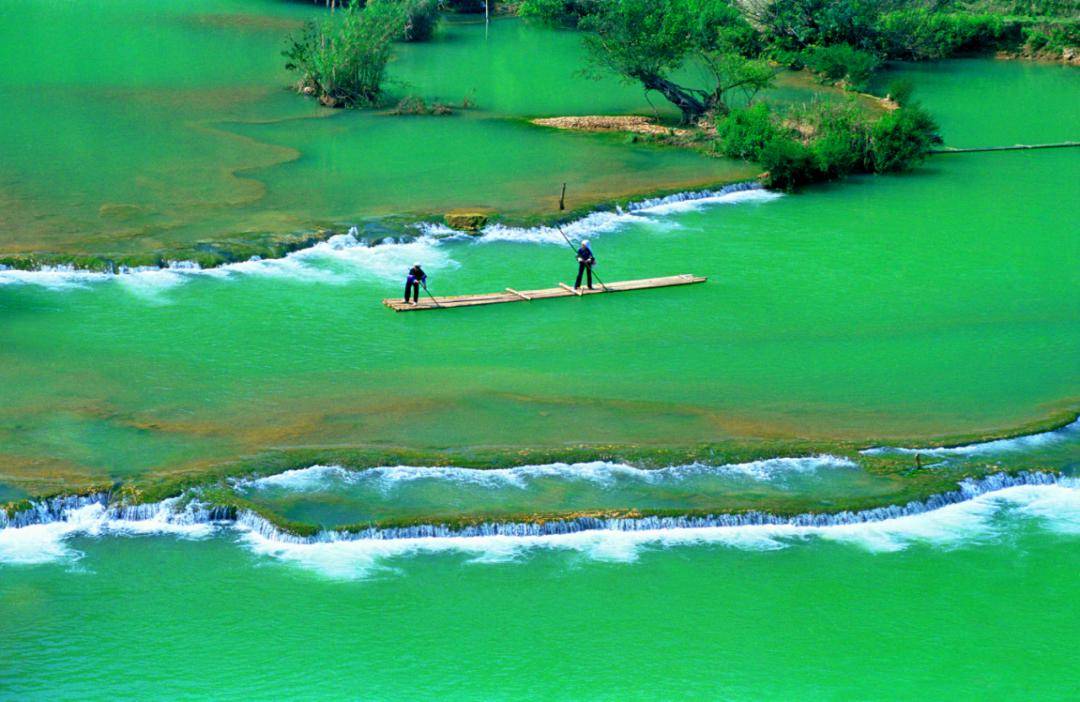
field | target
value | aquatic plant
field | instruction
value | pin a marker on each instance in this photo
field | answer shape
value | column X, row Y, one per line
column 421, row 17
column 343, row 63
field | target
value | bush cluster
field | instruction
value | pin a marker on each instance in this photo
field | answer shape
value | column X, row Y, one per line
column 921, row 34
column 842, row 64
column 823, row 141
column 1051, row 37
column 343, row 63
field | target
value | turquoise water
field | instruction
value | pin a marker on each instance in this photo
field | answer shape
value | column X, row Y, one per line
column 970, row 603
column 881, row 311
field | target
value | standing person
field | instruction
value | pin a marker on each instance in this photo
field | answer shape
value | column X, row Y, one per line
column 586, row 261
column 413, row 281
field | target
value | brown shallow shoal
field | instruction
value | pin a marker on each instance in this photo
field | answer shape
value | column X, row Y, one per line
column 610, row 123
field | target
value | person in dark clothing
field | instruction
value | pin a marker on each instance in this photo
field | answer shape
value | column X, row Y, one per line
column 586, row 261
column 413, row 281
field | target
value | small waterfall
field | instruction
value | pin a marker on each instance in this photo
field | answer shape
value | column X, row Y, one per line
column 691, row 195
column 175, row 510
column 54, row 509
column 181, row 511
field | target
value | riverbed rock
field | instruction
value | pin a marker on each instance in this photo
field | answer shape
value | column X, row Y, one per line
column 119, row 211
column 471, row 222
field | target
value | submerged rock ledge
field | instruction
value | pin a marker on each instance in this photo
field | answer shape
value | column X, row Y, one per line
column 204, row 255
column 191, row 510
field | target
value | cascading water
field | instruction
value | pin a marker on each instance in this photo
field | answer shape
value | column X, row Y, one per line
column 188, row 510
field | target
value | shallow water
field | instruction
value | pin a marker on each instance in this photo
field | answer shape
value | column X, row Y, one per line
column 971, row 601
column 108, row 152
column 934, row 304
column 332, row 496
column 881, row 311
column 883, row 308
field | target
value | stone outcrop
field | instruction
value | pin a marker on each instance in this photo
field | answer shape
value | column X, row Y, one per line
column 471, row 222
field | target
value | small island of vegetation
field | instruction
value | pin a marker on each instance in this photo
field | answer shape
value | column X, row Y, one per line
column 711, row 59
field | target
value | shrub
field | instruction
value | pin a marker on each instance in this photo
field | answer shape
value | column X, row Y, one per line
column 744, row 132
column 563, row 13
column 901, row 138
column 1051, row 37
column 900, row 90
column 824, row 140
column 841, row 63
column 789, row 164
column 794, row 25
column 920, row 34
column 421, row 18
column 841, row 138
column 343, row 63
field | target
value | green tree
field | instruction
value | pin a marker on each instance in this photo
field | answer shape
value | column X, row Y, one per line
column 649, row 41
column 794, row 25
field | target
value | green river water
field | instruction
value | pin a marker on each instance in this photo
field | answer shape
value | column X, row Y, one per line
column 895, row 311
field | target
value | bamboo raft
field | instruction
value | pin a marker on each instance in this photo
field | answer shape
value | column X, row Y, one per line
column 564, row 290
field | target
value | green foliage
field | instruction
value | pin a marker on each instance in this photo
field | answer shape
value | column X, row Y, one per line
column 825, row 140
column 421, row 18
column 900, row 90
column 343, row 63
column 912, row 29
column 789, row 163
column 560, row 13
column 1025, row 8
column 746, row 131
column 648, row 41
column 921, row 34
column 901, row 139
column 841, row 138
column 794, row 25
column 1051, row 37
column 842, row 63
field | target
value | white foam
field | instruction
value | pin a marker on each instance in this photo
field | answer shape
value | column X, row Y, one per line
column 337, row 260
column 344, row 257
column 1020, row 443
column 321, row 477
column 669, row 206
column 1056, row 506
column 52, row 277
column 43, row 543
column 591, row 225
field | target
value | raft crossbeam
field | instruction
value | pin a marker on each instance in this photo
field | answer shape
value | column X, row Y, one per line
column 563, row 290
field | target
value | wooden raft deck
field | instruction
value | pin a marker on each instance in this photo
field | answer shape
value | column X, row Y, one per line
column 511, row 295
